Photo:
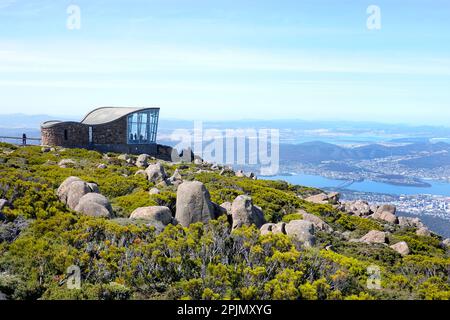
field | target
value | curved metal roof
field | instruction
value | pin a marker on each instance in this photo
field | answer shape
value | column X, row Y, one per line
column 101, row 115
column 109, row 114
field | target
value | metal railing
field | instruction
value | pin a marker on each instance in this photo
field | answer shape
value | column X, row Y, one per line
column 23, row 138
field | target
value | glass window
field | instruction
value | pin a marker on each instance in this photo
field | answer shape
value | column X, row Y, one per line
column 142, row 127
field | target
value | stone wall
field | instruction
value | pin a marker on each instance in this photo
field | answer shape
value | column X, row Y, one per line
column 110, row 137
column 164, row 152
column 77, row 134
column 111, row 133
column 65, row 134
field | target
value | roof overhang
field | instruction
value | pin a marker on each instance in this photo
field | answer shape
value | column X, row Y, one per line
column 101, row 116
column 105, row 115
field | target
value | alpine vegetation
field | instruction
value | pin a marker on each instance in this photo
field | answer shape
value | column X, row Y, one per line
column 135, row 227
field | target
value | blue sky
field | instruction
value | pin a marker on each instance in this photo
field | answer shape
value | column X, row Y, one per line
column 206, row 59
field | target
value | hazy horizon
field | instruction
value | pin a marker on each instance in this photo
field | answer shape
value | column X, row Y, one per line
column 312, row 60
column 242, row 120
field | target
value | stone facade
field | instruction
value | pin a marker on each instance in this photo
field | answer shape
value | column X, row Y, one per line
column 111, row 133
column 105, row 137
column 67, row 134
column 164, row 152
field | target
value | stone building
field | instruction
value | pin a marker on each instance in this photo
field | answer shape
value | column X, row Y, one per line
column 107, row 129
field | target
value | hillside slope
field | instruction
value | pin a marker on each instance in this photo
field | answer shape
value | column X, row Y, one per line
column 267, row 240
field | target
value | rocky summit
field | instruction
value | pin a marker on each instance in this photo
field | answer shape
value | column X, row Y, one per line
column 146, row 228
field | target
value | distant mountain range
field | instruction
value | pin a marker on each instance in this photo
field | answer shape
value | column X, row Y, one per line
column 369, row 140
column 24, row 121
column 315, row 152
column 404, row 132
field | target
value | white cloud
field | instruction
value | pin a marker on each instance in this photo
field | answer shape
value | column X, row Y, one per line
column 71, row 58
column 6, row 3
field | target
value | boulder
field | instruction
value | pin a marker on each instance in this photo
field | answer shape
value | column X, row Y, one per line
column 77, row 190
column 278, row 228
column 142, row 161
column 243, row 212
column 102, row 166
column 154, row 191
column 344, row 235
column 123, row 157
column 386, row 208
column 266, row 228
column 321, row 198
column 176, row 176
column 302, row 231
column 66, row 163
column 177, row 183
column 198, row 162
column 73, row 189
column 3, row 203
column 446, row 243
column 386, row 213
column 374, row 208
column 358, row 208
column 408, row 222
column 45, row 149
column 63, row 189
column 142, row 173
column 218, row 211
column 401, row 247
column 155, row 213
column 94, row 205
column 333, row 197
column 163, row 184
column 388, row 217
column 187, row 155
column 156, row 172
column 374, row 236
column 240, row 174
column 227, row 207
column 158, row 225
column 94, row 187
column 424, row 232
column 251, row 175
column 193, row 203
column 319, row 224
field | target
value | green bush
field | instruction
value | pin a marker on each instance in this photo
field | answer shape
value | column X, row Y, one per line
column 125, row 259
column 125, row 205
column 352, row 223
column 28, row 196
column 290, row 217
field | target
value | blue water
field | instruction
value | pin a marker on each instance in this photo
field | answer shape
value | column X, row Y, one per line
column 437, row 188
